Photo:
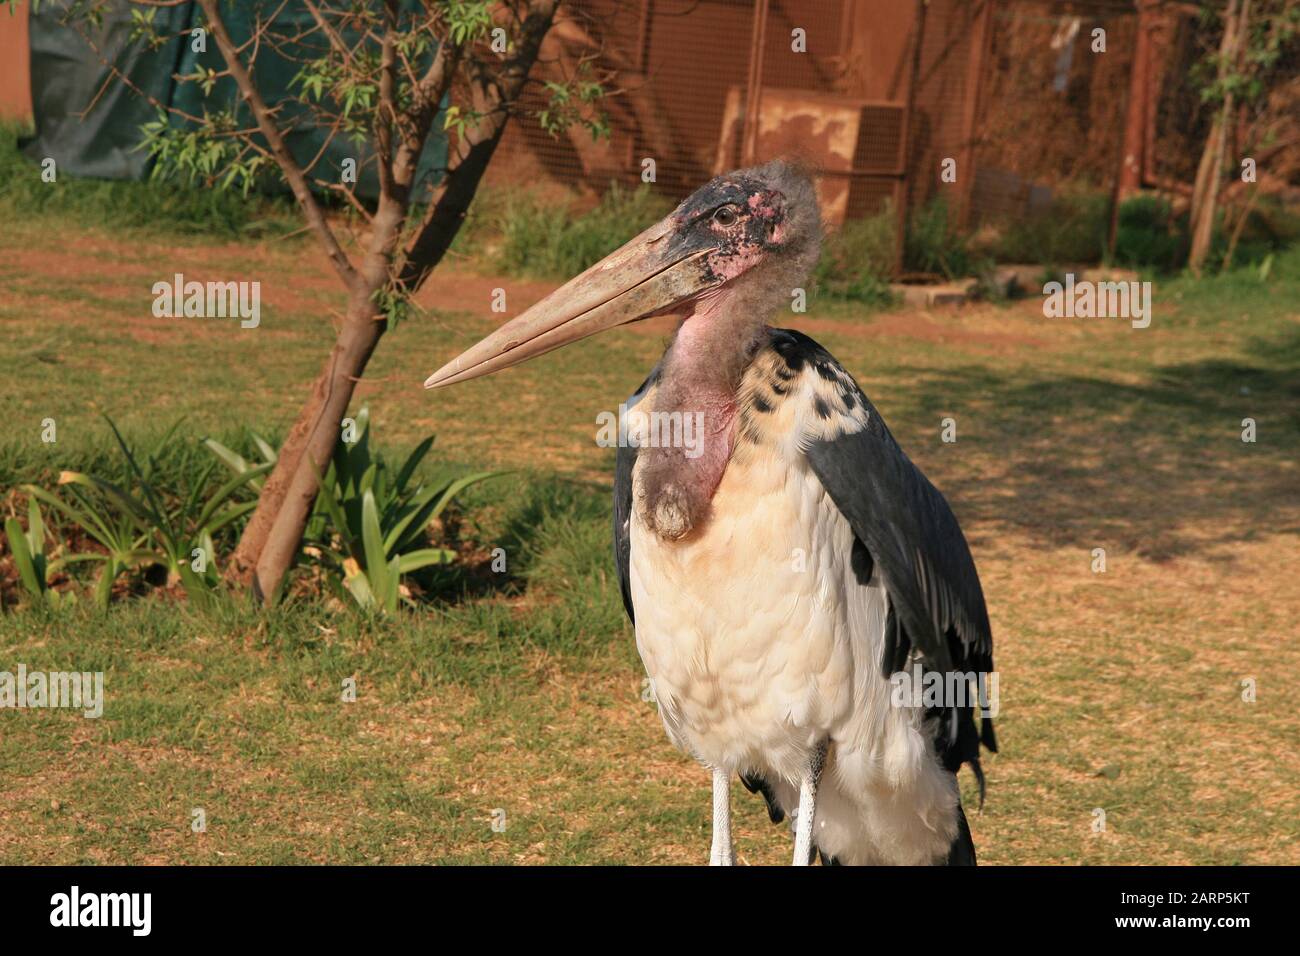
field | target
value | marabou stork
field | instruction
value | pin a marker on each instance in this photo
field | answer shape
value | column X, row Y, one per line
column 780, row 575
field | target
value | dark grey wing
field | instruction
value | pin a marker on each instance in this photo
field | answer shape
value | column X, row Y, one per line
column 624, row 462
column 913, row 537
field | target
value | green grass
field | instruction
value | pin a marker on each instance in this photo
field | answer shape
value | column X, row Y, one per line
column 1072, row 229
column 522, row 233
column 524, row 692
column 857, row 261
column 1148, row 235
column 934, row 246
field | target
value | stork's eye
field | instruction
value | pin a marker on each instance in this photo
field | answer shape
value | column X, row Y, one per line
column 726, row 215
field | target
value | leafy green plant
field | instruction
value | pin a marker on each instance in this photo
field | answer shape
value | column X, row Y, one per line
column 385, row 90
column 198, row 155
column 148, row 527
column 575, row 103
column 933, row 244
column 368, row 526
column 239, row 465
column 1149, row 236
column 857, row 260
column 989, row 287
column 33, row 564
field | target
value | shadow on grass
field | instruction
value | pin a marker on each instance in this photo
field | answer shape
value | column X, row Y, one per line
column 549, row 527
column 1159, row 468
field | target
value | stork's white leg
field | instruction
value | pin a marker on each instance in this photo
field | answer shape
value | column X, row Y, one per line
column 721, row 854
column 803, row 826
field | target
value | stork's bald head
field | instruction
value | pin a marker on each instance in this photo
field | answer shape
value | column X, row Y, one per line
column 752, row 217
column 752, row 234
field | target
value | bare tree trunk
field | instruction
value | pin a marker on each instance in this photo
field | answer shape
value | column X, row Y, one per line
column 324, row 411
column 1207, row 151
column 251, row 542
column 1239, row 227
column 1210, row 170
column 1202, row 222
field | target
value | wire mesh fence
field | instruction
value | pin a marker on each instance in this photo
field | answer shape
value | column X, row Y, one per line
column 1054, row 112
column 999, row 111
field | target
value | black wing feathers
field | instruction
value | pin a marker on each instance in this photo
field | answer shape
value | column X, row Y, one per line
column 624, row 462
column 914, row 539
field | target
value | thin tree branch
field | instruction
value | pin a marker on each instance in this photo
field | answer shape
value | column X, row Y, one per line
column 331, row 34
column 293, row 173
column 493, row 90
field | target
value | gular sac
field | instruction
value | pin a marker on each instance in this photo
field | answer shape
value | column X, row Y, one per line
column 672, row 499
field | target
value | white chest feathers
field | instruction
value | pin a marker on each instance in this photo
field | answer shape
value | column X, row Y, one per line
column 742, row 625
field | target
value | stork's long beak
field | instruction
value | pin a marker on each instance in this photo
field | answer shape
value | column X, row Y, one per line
column 638, row 280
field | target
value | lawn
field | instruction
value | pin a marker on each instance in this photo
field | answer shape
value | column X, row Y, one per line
column 518, row 700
